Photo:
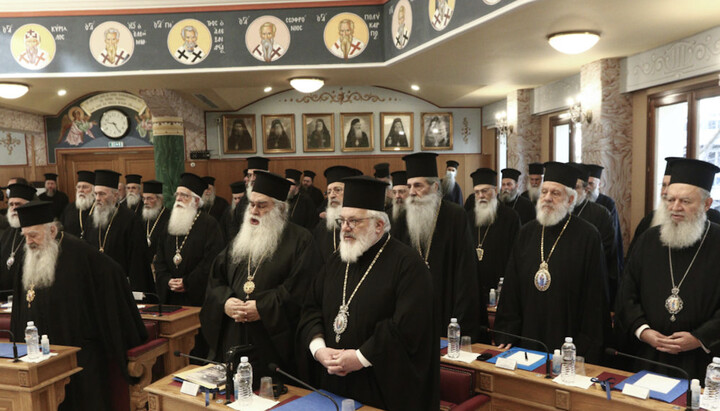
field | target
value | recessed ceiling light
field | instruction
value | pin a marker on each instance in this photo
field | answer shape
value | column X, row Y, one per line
column 267, row 89
column 573, row 42
column 62, row 92
column 415, row 87
column 307, row 84
column 13, row 90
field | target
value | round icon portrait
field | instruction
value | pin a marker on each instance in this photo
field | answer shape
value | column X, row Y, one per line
column 441, row 12
column 346, row 35
column 267, row 38
column 401, row 24
column 32, row 46
column 189, row 41
column 112, row 44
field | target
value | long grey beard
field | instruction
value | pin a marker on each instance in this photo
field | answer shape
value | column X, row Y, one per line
column 397, row 210
column 420, row 217
column 101, row 215
column 259, row 242
column 181, row 219
column 660, row 216
column 485, row 213
column 349, row 253
column 84, row 202
column 332, row 214
column 550, row 218
column 593, row 195
column 507, row 197
column 533, row 193
column 39, row 265
column 149, row 214
column 685, row 233
column 132, row 199
column 209, row 200
column 447, row 183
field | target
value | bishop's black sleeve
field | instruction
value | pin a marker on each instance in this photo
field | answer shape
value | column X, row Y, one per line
column 196, row 281
column 466, row 305
column 509, row 311
column 218, row 291
column 139, row 272
column 629, row 313
column 595, row 318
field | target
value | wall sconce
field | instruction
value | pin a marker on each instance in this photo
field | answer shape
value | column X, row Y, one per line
column 577, row 115
column 502, row 126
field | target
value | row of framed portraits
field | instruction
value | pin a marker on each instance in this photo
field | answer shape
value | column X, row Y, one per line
column 318, row 132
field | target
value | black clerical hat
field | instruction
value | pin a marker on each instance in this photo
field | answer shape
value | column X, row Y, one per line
column 336, row 173
column 309, row 173
column 594, row 170
column 133, row 179
column 382, row 170
column 564, row 174
column 209, row 180
column 510, row 173
column 86, row 177
column 258, row 163
column 452, row 163
column 193, row 183
column 271, row 185
column 668, row 164
column 536, row 168
column 35, row 212
column 152, row 187
column 421, row 165
column 107, row 178
column 18, row 190
column 364, row 192
column 237, row 187
column 51, row 176
column 582, row 169
column 694, row 172
column 484, row 176
column 293, row 174
column 399, row 178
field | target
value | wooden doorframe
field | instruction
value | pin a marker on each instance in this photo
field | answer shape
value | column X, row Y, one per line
column 64, row 161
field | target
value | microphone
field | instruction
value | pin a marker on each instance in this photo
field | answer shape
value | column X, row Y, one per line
column 547, row 352
column 228, row 373
column 144, row 293
column 274, row 368
column 12, row 337
column 613, row 352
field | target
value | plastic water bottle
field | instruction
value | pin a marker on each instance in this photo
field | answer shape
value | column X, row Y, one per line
column 32, row 340
column 453, row 338
column 244, row 381
column 556, row 362
column 45, row 344
column 695, row 394
column 568, row 361
column 712, row 384
column 499, row 290
column 492, row 300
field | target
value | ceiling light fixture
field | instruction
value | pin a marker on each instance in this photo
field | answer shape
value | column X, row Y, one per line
column 415, row 87
column 13, row 90
column 307, row 84
column 573, row 42
column 267, row 89
column 62, row 92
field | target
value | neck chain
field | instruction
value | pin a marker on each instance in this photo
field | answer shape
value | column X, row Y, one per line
column 542, row 276
column 479, row 249
column 149, row 231
column 335, row 244
column 342, row 318
column 80, row 218
column 297, row 200
column 30, row 295
column 13, row 249
column 582, row 208
column 102, row 242
column 674, row 303
column 177, row 259
column 249, row 285
column 427, row 252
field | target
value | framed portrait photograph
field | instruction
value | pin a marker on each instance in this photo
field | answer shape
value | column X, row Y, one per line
column 396, row 131
column 437, row 131
column 357, row 131
column 318, row 132
column 278, row 133
column 239, row 134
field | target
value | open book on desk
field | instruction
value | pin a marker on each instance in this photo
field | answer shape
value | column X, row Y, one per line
column 209, row 376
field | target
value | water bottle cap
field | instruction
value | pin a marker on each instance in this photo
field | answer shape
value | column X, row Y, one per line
column 243, row 359
column 695, row 383
column 492, row 290
column 31, row 323
column 453, row 320
column 568, row 339
column 44, row 336
column 716, row 360
column 557, row 351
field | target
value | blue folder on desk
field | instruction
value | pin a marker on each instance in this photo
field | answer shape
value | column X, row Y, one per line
column 443, row 344
column 680, row 388
column 513, row 350
column 6, row 350
column 315, row 402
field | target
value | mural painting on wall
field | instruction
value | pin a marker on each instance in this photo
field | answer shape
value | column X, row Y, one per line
column 32, row 46
column 402, row 24
column 318, row 132
column 189, row 41
column 12, row 148
column 357, row 131
column 267, row 38
column 239, row 134
column 112, row 44
column 437, row 131
column 440, row 13
column 278, row 133
column 396, row 132
column 346, row 35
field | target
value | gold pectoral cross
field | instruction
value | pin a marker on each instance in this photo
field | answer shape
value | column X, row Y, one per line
column 480, row 253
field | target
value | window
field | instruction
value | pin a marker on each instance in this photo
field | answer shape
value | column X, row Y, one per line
column 501, row 151
column 565, row 139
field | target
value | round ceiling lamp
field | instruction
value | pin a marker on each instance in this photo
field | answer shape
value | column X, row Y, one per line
column 573, row 42
column 307, row 84
column 13, row 90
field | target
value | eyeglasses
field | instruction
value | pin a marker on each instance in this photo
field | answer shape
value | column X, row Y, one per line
column 336, row 190
column 351, row 222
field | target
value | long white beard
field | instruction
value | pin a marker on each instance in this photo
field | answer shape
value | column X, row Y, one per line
column 39, row 265
column 13, row 219
column 660, row 216
column 332, row 214
column 549, row 218
column 149, row 214
column 350, row 251
column 181, row 219
column 101, row 214
column 259, row 242
column 209, row 200
column 533, row 193
column 593, row 195
column 84, row 201
column 685, row 233
column 132, row 199
column 508, row 196
column 397, row 208
column 485, row 212
column 421, row 217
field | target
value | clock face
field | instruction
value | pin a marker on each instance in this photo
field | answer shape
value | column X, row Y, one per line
column 114, row 123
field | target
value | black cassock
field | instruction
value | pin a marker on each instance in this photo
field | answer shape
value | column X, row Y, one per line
column 496, row 247
column 89, row 306
column 218, row 208
column 387, row 322
column 455, row 195
column 125, row 243
column 136, row 209
column 301, row 211
column 524, row 207
column 204, row 243
column 609, row 203
column 315, row 195
column 599, row 217
column 281, row 283
column 325, row 241
column 573, row 306
column 237, row 219
column 153, row 230
column 11, row 240
column 76, row 222
column 60, row 201
column 646, row 286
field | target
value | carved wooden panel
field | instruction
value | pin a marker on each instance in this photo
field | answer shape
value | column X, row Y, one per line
column 562, row 399
column 486, row 382
column 23, row 378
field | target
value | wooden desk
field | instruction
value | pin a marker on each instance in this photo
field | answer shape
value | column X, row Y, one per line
column 180, row 329
column 525, row 390
column 41, row 386
column 163, row 395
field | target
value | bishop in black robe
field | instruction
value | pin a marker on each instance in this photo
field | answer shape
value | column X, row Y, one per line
column 11, row 244
column 59, row 200
column 609, row 203
column 154, row 229
column 218, row 208
column 136, row 209
column 454, row 194
column 326, row 241
column 301, row 211
column 236, row 221
column 315, row 194
column 75, row 221
column 524, row 207
column 599, row 217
